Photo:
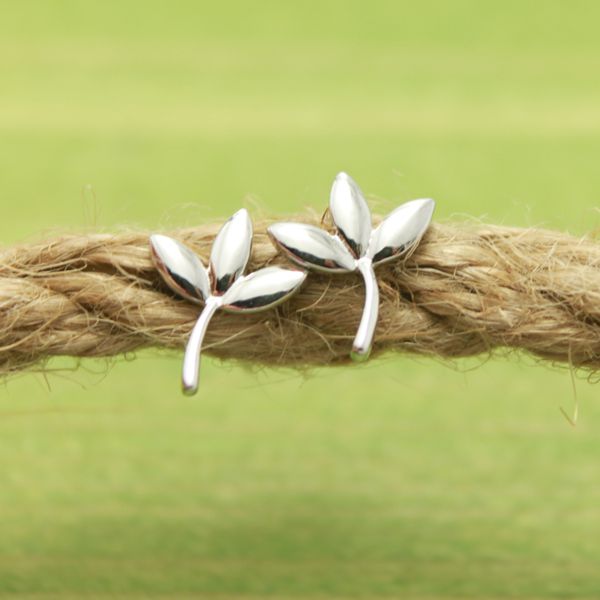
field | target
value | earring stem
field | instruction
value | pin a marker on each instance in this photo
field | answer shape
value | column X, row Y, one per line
column 364, row 336
column 191, row 358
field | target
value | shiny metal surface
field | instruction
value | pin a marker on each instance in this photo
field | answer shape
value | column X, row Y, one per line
column 231, row 251
column 266, row 287
column 400, row 231
column 358, row 247
column 223, row 286
column 312, row 247
column 181, row 269
column 361, row 347
column 350, row 213
column 190, row 373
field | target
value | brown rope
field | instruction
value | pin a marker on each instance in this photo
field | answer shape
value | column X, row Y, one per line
column 466, row 290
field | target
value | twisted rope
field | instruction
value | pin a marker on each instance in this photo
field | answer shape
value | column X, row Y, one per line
column 464, row 291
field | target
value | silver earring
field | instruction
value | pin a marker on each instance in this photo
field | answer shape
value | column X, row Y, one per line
column 222, row 285
column 356, row 247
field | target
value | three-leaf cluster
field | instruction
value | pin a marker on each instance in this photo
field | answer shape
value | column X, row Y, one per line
column 355, row 246
column 222, row 284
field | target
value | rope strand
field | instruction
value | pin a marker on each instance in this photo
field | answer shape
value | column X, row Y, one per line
column 464, row 291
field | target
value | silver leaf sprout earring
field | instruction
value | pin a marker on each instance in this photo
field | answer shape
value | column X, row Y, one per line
column 222, row 284
column 356, row 246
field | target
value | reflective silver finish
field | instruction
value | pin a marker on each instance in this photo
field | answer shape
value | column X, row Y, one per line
column 221, row 286
column 190, row 373
column 180, row 268
column 231, row 250
column 263, row 288
column 400, row 231
column 355, row 247
column 361, row 347
column 312, row 247
column 350, row 213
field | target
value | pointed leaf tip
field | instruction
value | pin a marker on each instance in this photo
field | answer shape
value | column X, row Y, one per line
column 350, row 213
column 262, row 289
column 231, row 250
column 180, row 267
column 401, row 230
column 312, row 247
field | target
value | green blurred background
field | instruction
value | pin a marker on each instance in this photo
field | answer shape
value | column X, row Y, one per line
column 403, row 478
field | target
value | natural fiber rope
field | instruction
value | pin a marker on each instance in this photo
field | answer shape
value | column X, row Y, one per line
column 466, row 290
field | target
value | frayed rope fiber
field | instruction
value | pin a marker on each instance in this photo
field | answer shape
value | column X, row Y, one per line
column 467, row 289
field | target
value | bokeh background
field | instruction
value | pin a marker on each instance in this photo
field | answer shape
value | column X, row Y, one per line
column 403, row 478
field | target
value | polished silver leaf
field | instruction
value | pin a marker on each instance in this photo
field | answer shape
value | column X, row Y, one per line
column 262, row 289
column 401, row 230
column 312, row 247
column 350, row 213
column 231, row 251
column 181, row 269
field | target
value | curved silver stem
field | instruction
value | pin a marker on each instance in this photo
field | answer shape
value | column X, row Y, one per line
column 364, row 336
column 191, row 359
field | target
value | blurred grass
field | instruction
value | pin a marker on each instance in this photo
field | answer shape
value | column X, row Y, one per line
column 404, row 478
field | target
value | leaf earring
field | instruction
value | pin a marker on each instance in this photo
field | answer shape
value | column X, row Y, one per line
column 222, row 285
column 356, row 246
